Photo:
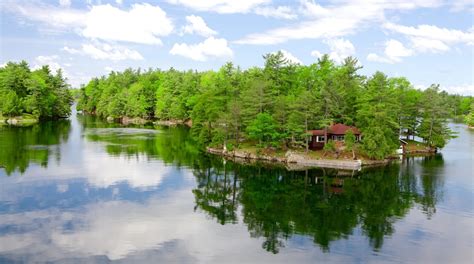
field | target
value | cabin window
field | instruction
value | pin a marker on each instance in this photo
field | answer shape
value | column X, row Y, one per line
column 320, row 139
column 339, row 138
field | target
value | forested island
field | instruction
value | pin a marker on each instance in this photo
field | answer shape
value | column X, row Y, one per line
column 273, row 107
column 27, row 96
column 263, row 110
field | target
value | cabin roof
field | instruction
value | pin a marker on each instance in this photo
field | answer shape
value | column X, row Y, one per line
column 336, row 129
column 341, row 129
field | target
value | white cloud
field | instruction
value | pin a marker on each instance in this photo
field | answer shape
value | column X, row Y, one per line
column 259, row 7
column 460, row 5
column 429, row 38
column 394, row 52
column 283, row 12
column 105, row 52
column 211, row 47
column 429, row 45
column 75, row 79
column 221, row 6
column 51, row 61
column 142, row 23
column 62, row 188
column 196, row 25
column 65, row 3
column 119, row 2
column 336, row 20
column 290, row 57
column 340, row 49
column 316, row 53
column 463, row 89
column 432, row 32
column 312, row 9
column 55, row 17
column 71, row 50
column 376, row 58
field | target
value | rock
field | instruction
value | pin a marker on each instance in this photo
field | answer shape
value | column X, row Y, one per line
column 135, row 120
column 189, row 123
column 13, row 121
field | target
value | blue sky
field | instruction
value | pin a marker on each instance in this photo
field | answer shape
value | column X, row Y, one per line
column 427, row 41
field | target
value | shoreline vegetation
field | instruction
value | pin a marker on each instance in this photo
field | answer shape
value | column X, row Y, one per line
column 273, row 107
column 29, row 96
column 270, row 109
column 300, row 159
column 292, row 159
column 22, row 120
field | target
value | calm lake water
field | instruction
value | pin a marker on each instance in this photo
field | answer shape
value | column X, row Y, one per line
column 82, row 190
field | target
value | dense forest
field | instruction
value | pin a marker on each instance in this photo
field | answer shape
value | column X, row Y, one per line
column 275, row 105
column 39, row 93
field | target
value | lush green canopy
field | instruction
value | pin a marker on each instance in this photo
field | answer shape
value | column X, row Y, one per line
column 37, row 92
column 276, row 105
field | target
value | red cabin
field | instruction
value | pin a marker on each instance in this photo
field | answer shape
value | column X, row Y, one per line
column 335, row 132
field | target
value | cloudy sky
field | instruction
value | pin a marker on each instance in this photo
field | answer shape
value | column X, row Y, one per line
column 428, row 41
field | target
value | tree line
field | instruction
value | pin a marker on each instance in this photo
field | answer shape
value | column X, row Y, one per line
column 38, row 92
column 276, row 104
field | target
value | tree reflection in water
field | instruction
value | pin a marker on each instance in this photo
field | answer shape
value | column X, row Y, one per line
column 275, row 204
column 21, row 146
column 325, row 204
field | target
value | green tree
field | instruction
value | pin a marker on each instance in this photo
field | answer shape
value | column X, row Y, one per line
column 350, row 141
column 433, row 128
column 470, row 117
column 10, row 104
column 38, row 92
column 377, row 117
column 263, row 129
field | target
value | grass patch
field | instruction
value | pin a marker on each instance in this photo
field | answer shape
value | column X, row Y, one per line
column 413, row 146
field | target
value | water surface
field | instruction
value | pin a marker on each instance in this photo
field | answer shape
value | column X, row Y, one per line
column 82, row 190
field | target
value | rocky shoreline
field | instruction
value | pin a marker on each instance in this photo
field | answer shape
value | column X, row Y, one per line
column 297, row 161
column 125, row 120
column 18, row 121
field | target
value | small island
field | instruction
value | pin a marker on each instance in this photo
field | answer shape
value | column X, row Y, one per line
column 284, row 111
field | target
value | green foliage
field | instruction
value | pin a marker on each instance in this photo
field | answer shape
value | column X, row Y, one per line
column 349, row 139
column 290, row 98
column 433, row 128
column 330, row 146
column 10, row 104
column 377, row 117
column 38, row 92
column 263, row 129
column 470, row 117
